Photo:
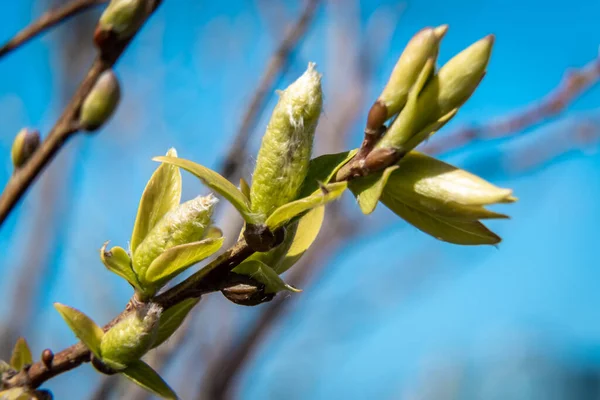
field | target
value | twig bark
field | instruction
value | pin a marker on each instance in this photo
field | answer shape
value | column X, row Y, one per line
column 48, row 20
column 575, row 83
column 277, row 65
column 64, row 128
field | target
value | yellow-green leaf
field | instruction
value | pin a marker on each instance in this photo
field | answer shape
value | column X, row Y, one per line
column 368, row 189
column 213, row 232
column 264, row 274
column 428, row 131
column 82, row 326
column 144, row 376
column 285, row 213
column 177, row 259
column 244, row 188
column 117, row 261
column 216, row 182
column 162, row 194
column 457, row 232
column 4, row 367
column 322, row 169
column 171, row 319
column 21, row 355
column 307, row 230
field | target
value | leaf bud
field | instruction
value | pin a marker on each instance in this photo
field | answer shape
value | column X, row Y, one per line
column 101, row 102
column 25, row 144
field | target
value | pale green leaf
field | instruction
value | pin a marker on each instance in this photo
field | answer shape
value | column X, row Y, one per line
column 82, row 326
column 291, row 210
column 216, row 182
column 428, row 131
column 171, row 319
column 457, row 232
column 144, row 376
column 368, row 189
column 177, row 259
column 162, row 194
column 21, row 355
column 307, row 230
column 264, row 274
column 117, row 261
column 322, row 169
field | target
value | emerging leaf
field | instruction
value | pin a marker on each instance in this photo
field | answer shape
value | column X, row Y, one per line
column 264, row 274
column 161, row 195
column 82, row 326
column 117, row 260
column 291, row 210
column 368, row 189
column 21, row 355
column 130, row 338
column 172, row 319
column 144, row 376
column 214, row 232
column 244, row 188
column 177, row 259
column 217, row 183
column 322, row 169
column 457, row 232
column 306, row 232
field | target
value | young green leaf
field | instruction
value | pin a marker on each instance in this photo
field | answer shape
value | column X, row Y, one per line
column 244, row 188
column 213, row 232
column 162, row 194
column 322, row 169
column 177, row 259
column 117, row 261
column 264, row 274
column 216, row 182
column 368, row 189
column 144, row 376
column 21, row 355
column 171, row 319
column 285, row 213
column 307, row 230
column 428, row 131
column 82, row 326
column 457, row 232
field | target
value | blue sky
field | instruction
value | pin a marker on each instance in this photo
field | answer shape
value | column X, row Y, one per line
column 186, row 80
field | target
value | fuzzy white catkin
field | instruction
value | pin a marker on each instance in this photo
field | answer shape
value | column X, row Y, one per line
column 286, row 148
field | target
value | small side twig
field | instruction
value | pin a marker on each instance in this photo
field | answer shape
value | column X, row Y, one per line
column 574, row 84
column 277, row 64
column 64, row 128
column 48, row 20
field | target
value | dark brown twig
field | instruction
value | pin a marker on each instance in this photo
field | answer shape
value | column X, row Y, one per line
column 575, row 83
column 64, row 128
column 277, row 65
column 48, row 20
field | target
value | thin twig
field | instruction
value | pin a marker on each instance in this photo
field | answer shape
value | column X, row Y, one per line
column 277, row 65
column 64, row 128
column 48, row 20
column 574, row 84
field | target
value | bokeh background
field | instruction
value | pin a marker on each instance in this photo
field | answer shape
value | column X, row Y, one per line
column 387, row 312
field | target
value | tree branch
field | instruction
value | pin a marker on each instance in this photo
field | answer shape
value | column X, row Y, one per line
column 64, row 128
column 277, row 64
column 574, row 84
column 48, row 20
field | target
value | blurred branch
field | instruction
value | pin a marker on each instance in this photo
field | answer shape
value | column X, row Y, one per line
column 65, row 127
column 574, row 84
column 277, row 64
column 48, row 20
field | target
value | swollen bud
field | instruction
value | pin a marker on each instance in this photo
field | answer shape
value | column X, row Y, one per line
column 101, row 102
column 185, row 224
column 130, row 338
column 422, row 46
column 284, row 155
column 25, row 144
column 120, row 20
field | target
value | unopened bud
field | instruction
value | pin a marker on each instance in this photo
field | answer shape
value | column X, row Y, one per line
column 101, row 102
column 185, row 224
column 47, row 358
column 130, row 338
column 25, row 144
column 120, row 19
column 284, row 155
column 420, row 48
